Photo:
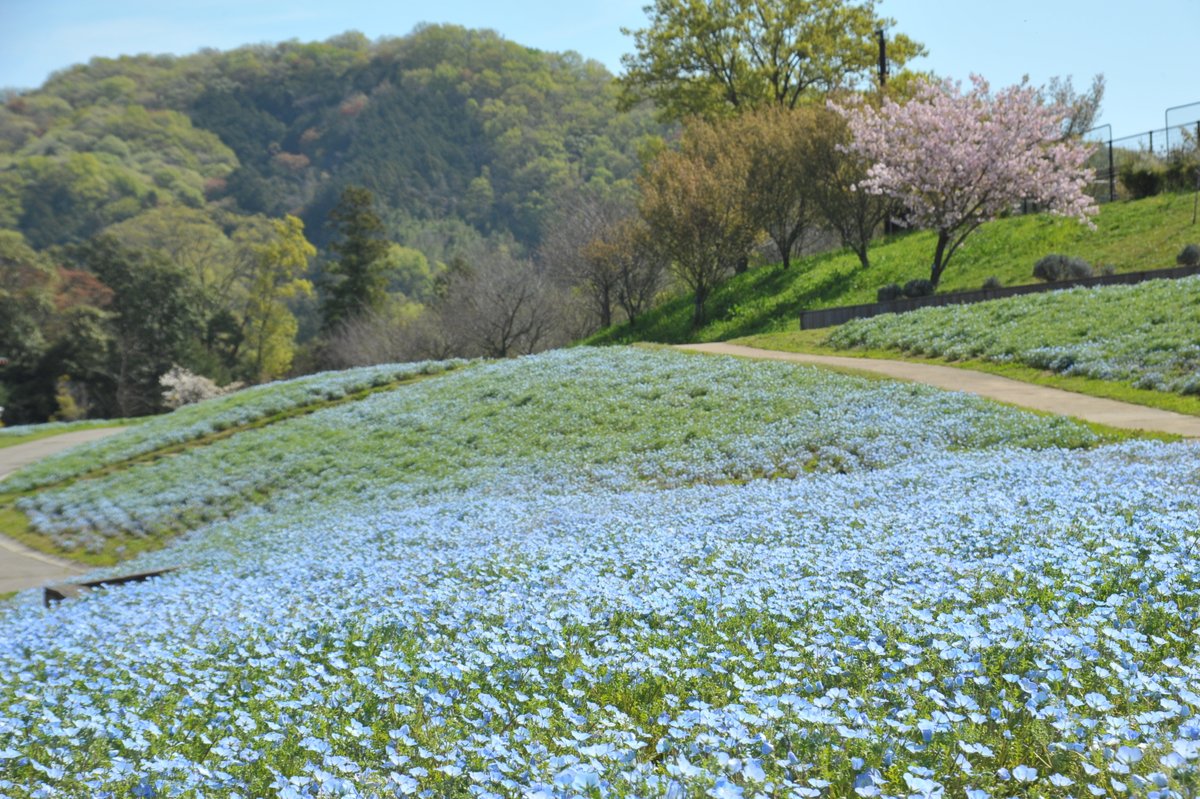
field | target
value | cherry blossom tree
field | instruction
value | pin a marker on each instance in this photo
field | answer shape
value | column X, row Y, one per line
column 957, row 159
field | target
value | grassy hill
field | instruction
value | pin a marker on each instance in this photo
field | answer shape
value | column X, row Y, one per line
column 610, row 572
column 1131, row 236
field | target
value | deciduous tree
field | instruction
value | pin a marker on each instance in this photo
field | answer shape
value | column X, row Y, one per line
column 957, row 159
column 498, row 307
column 581, row 218
column 270, row 328
column 1081, row 107
column 626, row 252
column 711, row 57
column 693, row 201
column 836, row 171
column 779, row 175
column 154, row 320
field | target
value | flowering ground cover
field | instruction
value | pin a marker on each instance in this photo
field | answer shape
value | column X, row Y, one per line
column 1144, row 334
column 194, row 421
column 635, row 573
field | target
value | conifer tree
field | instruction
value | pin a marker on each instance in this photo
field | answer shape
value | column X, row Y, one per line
column 356, row 282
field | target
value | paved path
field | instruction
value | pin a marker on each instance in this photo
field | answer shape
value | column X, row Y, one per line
column 20, row 566
column 1014, row 392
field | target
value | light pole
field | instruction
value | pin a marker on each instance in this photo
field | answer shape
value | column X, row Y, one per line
column 882, row 58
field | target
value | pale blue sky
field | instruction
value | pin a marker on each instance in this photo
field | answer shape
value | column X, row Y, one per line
column 1148, row 50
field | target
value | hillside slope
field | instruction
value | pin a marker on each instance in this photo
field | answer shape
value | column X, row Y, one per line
column 1130, row 236
column 623, row 573
column 444, row 123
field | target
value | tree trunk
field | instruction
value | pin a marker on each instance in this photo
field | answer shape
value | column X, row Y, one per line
column 698, row 309
column 606, row 307
column 935, row 274
column 861, row 252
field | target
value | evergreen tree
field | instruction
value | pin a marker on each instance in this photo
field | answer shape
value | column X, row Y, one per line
column 357, row 282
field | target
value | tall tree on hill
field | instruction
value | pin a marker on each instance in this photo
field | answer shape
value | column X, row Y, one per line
column 779, row 178
column 694, row 203
column 357, row 281
column 270, row 328
column 957, row 159
column 836, row 172
column 716, row 57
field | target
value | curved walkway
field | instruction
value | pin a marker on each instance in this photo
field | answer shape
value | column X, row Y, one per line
column 1051, row 400
column 20, row 566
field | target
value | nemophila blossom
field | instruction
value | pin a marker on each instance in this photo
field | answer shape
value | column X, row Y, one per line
column 930, row 619
column 1143, row 334
column 200, row 419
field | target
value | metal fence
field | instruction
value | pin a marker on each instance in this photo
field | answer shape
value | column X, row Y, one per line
column 1166, row 158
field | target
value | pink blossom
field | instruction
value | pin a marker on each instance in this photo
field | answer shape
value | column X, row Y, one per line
column 956, row 160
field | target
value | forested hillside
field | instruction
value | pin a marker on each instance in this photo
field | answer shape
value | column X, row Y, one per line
column 444, row 122
column 178, row 174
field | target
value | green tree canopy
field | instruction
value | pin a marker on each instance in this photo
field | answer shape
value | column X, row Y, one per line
column 711, row 57
column 357, row 280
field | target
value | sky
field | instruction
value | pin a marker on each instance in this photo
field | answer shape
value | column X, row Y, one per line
column 1146, row 50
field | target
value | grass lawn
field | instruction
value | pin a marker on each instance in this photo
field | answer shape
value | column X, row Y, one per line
column 1131, row 236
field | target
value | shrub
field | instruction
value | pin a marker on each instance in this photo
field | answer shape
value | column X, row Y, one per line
column 992, row 283
column 181, row 387
column 1182, row 172
column 1189, row 256
column 1106, row 269
column 1054, row 268
column 920, row 287
column 1142, row 178
column 891, row 291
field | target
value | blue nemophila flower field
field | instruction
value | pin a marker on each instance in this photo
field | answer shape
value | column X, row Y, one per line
column 921, row 595
column 194, row 421
column 1144, row 334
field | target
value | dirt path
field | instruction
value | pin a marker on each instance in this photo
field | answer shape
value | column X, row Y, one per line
column 20, row 566
column 1041, row 398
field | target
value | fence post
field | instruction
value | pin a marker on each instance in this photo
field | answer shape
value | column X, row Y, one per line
column 1112, row 172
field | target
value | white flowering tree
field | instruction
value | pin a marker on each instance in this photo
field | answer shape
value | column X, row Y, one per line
column 957, row 159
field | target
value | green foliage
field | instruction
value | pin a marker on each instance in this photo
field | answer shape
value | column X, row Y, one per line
column 1055, row 268
column 918, row 287
column 1189, row 255
column 269, row 326
column 890, row 292
column 710, row 59
column 461, row 136
column 1132, row 236
column 280, row 129
column 359, row 283
column 155, row 316
column 1143, row 177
